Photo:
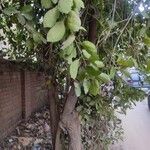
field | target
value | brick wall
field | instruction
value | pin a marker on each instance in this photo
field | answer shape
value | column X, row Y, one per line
column 21, row 94
column 34, row 93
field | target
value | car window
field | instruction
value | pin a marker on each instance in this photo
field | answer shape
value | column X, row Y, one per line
column 135, row 76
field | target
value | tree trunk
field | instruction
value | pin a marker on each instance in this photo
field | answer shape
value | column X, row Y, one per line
column 69, row 122
column 92, row 26
column 74, row 132
column 54, row 113
column 58, row 145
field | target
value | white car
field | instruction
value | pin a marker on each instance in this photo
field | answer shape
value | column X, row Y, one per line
column 135, row 79
column 138, row 80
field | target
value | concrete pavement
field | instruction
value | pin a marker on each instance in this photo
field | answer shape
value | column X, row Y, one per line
column 136, row 126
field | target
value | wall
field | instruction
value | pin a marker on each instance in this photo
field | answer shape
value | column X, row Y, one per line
column 21, row 94
column 34, row 93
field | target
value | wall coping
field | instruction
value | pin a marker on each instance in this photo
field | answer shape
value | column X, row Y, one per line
column 7, row 64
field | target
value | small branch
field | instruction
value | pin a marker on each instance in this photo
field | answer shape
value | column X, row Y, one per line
column 129, row 19
column 114, row 10
column 123, row 31
column 71, row 102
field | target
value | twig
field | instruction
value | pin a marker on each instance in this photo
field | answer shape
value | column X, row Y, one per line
column 126, row 25
column 114, row 10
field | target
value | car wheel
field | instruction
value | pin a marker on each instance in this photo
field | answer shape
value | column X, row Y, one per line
column 149, row 101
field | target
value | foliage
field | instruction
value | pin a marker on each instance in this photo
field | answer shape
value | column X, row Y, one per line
column 122, row 41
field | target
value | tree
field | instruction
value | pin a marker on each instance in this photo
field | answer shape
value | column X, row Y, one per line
column 81, row 45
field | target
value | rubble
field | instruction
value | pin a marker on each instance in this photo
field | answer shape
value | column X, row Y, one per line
column 33, row 134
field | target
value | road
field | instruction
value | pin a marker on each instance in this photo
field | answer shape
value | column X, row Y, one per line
column 136, row 126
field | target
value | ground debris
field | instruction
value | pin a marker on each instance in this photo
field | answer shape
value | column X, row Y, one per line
column 33, row 134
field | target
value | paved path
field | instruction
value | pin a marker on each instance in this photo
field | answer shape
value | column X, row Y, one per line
column 136, row 125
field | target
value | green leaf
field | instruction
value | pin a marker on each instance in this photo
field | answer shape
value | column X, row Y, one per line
column 126, row 73
column 86, row 54
column 73, row 21
column 146, row 41
column 99, row 64
column 104, row 77
column 86, row 86
column 91, row 71
column 74, row 69
column 68, row 50
column 112, row 73
column 46, row 3
column 65, row 6
column 69, row 53
column 30, row 43
column 148, row 32
column 89, row 46
column 30, row 27
column 21, row 19
column 135, row 62
column 28, row 16
column 78, row 4
column 79, row 108
column 26, row 9
column 148, row 64
column 51, row 17
column 38, row 38
column 83, row 29
column 94, row 87
column 126, row 62
column 71, row 56
column 57, row 32
column 77, row 89
column 27, row 12
column 94, row 57
column 94, row 67
column 10, row 10
column 142, row 31
column 54, row 1
column 82, row 74
column 68, row 42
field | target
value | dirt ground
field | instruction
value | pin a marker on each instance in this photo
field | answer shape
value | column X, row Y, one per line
column 33, row 134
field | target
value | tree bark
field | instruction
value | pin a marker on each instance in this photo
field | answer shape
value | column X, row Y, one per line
column 74, row 132
column 58, row 145
column 92, row 26
column 54, row 113
column 69, row 122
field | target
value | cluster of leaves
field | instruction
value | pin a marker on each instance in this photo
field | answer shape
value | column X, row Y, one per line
column 123, row 39
column 101, row 132
column 64, row 21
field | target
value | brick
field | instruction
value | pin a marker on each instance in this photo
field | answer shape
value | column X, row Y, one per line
column 12, row 103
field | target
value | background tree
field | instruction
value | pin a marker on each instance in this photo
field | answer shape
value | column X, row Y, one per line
column 81, row 45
